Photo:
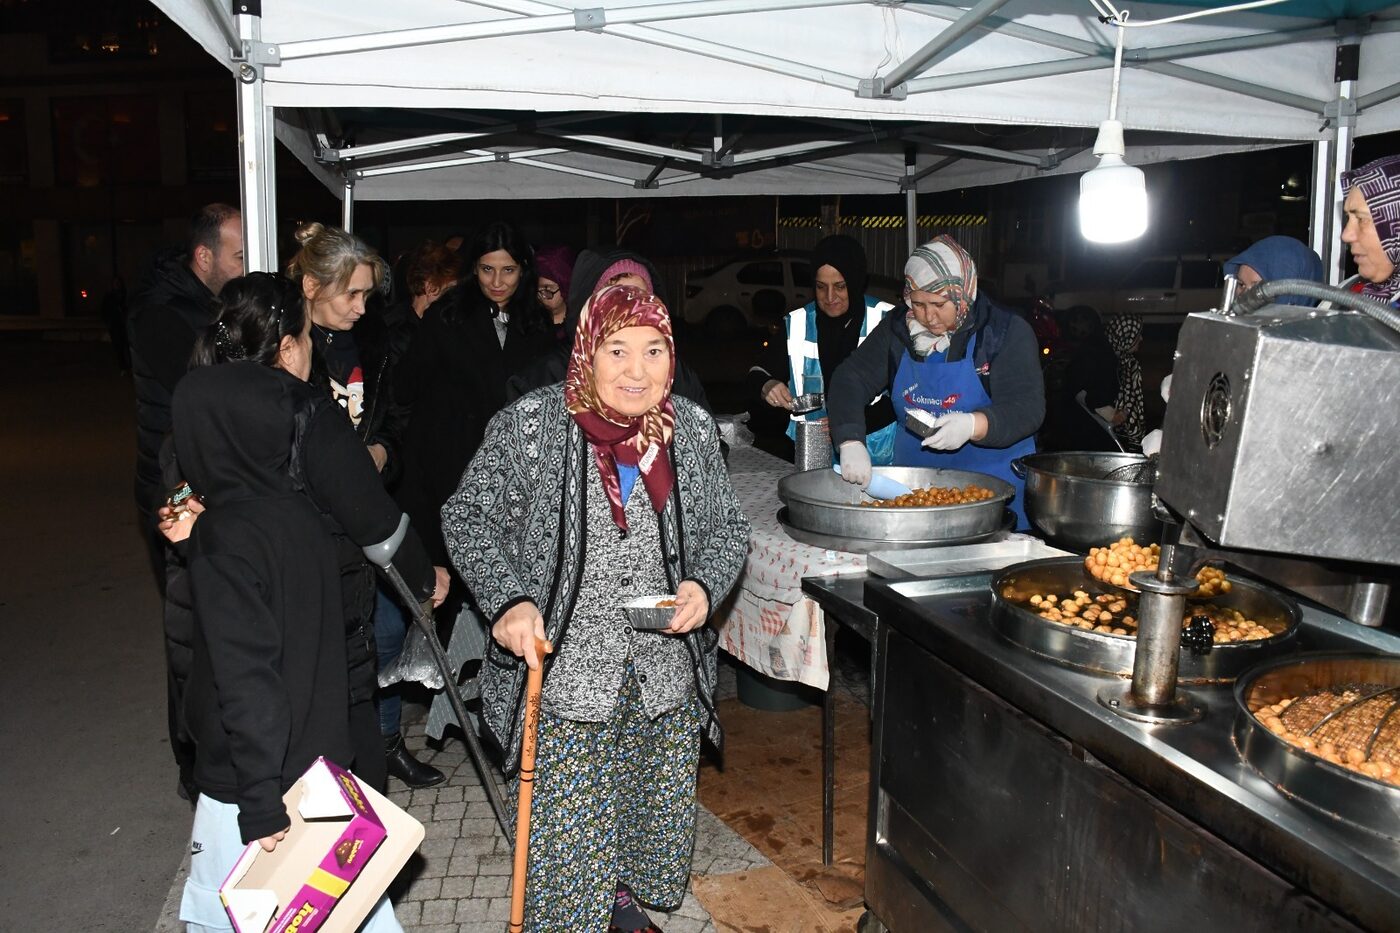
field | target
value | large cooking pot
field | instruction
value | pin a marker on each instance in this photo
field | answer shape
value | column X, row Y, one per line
column 1069, row 500
column 819, row 501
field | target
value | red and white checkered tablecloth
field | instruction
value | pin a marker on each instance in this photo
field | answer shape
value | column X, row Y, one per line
column 770, row 625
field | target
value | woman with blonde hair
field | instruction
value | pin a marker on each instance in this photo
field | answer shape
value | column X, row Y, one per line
column 352, row 358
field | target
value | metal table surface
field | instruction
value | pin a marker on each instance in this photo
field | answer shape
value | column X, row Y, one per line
column 1194, row 769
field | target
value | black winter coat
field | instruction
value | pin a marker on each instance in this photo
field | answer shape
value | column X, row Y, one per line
column 170, row 307
column 336, row 474
column 267, row 690
column 453, row 380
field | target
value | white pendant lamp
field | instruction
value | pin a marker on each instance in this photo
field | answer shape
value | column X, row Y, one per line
column 1113, row 195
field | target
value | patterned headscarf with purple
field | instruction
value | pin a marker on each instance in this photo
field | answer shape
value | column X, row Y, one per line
column 1379, row 183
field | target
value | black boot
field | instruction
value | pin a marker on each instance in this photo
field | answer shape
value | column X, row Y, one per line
column 405, row 767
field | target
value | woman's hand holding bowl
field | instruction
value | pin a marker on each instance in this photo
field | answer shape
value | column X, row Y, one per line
column 692, row 608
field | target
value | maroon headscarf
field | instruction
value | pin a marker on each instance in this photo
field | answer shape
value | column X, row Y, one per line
column 643, row 441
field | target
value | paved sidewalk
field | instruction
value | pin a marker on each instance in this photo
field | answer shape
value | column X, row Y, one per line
column 459, row 881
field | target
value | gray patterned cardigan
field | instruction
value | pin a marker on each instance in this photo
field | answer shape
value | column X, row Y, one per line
column 516, row 529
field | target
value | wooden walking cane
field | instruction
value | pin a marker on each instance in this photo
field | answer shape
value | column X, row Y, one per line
column 533, row 687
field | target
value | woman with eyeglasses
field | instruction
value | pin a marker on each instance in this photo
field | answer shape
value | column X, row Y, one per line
column 969, row 366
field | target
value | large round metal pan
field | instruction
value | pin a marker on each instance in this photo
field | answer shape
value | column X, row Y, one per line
column 1338, row 792
column 1070, row 499
column 820, row 501
column 865, row 545
column 1113, row 654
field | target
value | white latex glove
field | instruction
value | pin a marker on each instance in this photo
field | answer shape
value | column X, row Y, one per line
column 855, row 463
column 954, row 430
column 1152, row 442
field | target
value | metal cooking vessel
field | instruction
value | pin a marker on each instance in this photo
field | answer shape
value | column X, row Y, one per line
column 1070, row 502
column 822, row 502
column 1330, row 789
column 1113, row 654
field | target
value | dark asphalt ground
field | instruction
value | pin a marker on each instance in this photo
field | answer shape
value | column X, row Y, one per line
column 91, row 830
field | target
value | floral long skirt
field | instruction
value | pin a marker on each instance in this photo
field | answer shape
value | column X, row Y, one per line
column 614, row 801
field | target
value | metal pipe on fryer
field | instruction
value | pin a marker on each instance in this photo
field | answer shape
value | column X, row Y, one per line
column 1160, row 608
column 1368, row 602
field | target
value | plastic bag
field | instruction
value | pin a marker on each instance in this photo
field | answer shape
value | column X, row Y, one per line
column 732, row 430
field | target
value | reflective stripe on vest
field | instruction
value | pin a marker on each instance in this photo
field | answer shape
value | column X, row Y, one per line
column 801, row 348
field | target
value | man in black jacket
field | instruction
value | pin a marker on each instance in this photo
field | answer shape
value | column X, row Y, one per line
column 172, row 305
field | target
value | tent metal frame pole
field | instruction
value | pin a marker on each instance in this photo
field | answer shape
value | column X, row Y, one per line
column 968, row 79
column 256, row 158
column 1320, row 216
column 1380, row 96
column 347, row 207
column 930, row 53
column 665, row 38
column 986, row 153
column 911, row 200
column 477, row 157
column 590, row 19
column 1048, row 39
column 1343, row 134
column 581, row 172
column 1249, row 89
column 625, row 145
column 414, row 143
column 219, row 12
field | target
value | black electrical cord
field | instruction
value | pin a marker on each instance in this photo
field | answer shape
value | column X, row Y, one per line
column 1266, row 292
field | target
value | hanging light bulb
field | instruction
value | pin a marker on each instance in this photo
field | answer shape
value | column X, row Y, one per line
column 1113, row 195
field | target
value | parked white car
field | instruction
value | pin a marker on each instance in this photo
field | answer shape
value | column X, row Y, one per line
column 747, row 293
column 758, row 292
column 1163, row 289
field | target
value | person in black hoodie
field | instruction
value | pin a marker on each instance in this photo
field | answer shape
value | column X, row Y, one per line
column 268, row 691
column 262, row 319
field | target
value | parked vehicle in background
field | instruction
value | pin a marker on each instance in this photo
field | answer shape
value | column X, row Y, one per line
column 753, row 292
column 1163, row 289
column 757, row 292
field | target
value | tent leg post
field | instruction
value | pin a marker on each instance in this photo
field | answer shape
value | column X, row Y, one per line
column 1331, row 157
column 256, row 159
column 911, row 199
column 347, row 207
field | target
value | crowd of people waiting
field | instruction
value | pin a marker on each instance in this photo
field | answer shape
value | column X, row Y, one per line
column 515, row 427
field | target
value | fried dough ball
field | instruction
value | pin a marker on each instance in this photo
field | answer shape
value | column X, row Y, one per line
column 935, row 495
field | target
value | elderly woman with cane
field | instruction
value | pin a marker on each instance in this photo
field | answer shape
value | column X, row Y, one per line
column 582, row 497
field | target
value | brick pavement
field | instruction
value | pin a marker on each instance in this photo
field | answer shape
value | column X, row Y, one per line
column 459, row 882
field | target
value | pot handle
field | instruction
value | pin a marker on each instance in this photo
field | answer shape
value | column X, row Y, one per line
column 1018, row 467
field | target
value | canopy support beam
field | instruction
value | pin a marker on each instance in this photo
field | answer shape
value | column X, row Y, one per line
column 1332, row 157
column 535, row 25
column 475, row 157
column 931, row 52
column 666, row 39
column 911, row 199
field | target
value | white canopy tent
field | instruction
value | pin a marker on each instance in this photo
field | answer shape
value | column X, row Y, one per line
column 443, row 99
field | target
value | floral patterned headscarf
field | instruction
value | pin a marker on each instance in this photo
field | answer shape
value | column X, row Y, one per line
column 643, row 441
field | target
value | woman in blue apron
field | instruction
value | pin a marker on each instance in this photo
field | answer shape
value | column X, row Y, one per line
column 948, row 351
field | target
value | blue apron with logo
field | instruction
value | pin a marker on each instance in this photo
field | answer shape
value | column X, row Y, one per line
column 938, row 387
